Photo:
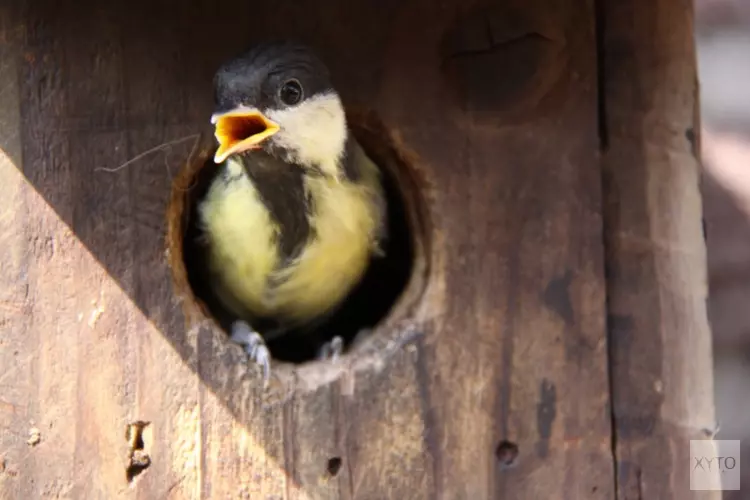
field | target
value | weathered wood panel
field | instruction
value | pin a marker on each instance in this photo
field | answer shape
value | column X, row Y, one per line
column 496, row 103
column 656, row 258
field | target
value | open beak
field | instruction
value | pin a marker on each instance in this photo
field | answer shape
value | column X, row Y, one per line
column 239, row 130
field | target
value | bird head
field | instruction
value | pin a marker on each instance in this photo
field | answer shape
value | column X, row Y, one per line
column 278, row 98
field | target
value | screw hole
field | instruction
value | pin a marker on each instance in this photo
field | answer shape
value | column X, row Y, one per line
column 334, row 466
column 507, row 454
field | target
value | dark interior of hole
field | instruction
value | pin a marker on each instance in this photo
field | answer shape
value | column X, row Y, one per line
column 506, row 453
column 334, row 465
column 135, row 468
column 138, row 444
column 369, row 302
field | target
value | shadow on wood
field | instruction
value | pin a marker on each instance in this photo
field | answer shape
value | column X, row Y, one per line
column 495, row 387
column 102, row 84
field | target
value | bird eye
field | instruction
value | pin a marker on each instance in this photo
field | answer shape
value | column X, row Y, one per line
column 290, row 92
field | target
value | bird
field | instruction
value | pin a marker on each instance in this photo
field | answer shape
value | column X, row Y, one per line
column 296, row 209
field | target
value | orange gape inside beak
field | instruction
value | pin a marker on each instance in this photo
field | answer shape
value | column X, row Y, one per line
column 240, row 130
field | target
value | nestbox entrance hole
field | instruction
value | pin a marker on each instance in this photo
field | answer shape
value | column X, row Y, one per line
column 392, row 284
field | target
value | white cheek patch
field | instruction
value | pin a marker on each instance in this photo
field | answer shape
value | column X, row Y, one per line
column 314, row 131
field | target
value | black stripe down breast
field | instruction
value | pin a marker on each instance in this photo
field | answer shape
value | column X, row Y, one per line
column 282, row 190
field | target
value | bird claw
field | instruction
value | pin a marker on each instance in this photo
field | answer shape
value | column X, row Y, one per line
column 331, row 350
column 254, row 346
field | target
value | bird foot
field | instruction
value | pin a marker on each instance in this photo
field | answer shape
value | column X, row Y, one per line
column 331, row 350
column 254, row 346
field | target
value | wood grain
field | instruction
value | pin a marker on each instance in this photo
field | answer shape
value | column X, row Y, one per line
column 662, row 378
column 507, row 342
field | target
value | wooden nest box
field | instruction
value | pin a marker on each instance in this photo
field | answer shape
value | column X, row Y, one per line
column 539, row 332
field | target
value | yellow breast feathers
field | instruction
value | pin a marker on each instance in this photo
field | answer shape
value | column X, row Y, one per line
column 250, row 277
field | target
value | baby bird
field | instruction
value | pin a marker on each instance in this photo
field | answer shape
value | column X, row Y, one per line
column 296, row 209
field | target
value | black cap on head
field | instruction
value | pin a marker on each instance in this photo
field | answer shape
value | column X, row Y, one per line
column 271, row 75
column 278, row 97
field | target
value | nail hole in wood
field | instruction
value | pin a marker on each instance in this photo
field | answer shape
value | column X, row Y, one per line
column 138, row 457
column 334, row 466
column 507, row 454
column 391, row 286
